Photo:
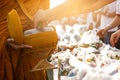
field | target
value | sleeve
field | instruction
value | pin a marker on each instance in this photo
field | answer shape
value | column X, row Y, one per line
column 118, row 7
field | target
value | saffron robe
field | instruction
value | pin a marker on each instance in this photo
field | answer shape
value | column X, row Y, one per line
column 14, row 64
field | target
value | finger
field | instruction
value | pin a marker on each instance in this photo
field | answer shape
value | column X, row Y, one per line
column 112, row 41
column 26, row 46
column 103, row 32
column 9, row 40
column 16, row 47
column 22, row 46
column 116, row 39
column 99, row 34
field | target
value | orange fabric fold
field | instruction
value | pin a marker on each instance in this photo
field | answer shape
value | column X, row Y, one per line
column 15, row 65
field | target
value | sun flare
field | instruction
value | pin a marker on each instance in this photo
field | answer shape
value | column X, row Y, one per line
column 54, row 3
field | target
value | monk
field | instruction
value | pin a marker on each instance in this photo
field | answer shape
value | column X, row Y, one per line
column 14, row 64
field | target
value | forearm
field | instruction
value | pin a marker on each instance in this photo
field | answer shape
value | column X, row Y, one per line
column 97, row 5
column 115, row 22
column 68, row 8
column 73, row 7
column 112, row 14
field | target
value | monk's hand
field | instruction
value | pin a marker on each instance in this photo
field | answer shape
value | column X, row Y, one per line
column 40, row 18
column 11, row 43
column 114, row 38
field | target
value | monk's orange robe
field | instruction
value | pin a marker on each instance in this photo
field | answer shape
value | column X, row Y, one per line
column 15, row 65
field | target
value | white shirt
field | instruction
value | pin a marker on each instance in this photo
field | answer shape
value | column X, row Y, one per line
column 105, row 19
column 118, row 7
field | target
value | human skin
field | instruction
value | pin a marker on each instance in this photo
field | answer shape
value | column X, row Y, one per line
column 114, row 38
column 69, row 8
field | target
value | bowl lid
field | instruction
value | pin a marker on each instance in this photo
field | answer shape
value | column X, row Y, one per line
column 14, row 26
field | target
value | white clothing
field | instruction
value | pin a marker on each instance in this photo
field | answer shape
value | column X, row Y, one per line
column 118, row 7
column 105, row 19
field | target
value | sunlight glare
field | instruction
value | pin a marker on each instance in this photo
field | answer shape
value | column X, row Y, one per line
column 54, row 3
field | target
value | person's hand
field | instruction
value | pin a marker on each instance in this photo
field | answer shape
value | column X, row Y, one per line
column 102, row 32
column 114, row 38
column 11, row 43
column 39, row 18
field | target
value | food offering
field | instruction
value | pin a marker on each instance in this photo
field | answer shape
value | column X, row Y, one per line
column 88, row 59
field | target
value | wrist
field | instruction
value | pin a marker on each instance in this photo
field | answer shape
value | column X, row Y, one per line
column 109, row 26
column 118, row 31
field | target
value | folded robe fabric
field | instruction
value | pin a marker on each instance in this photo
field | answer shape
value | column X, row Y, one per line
column 15, row 65
column 42, row 42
